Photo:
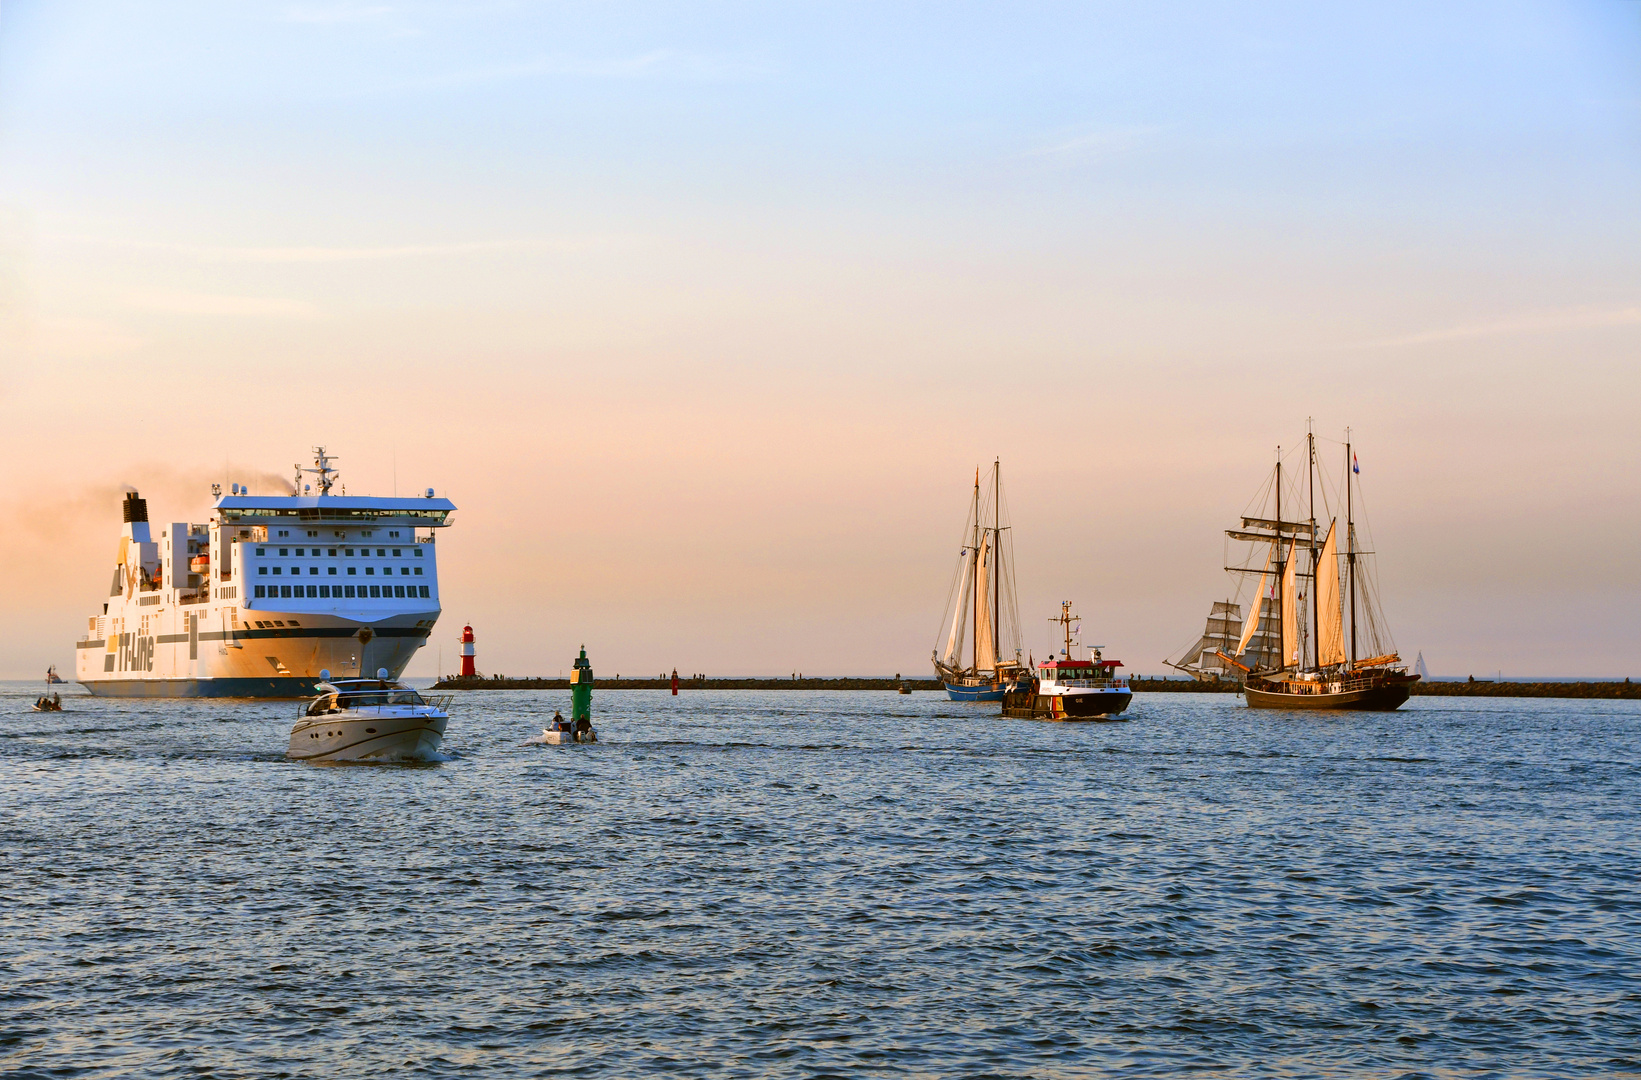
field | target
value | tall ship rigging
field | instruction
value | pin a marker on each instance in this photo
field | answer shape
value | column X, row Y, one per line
column 981, row 610
column 267, row 594
column 1315, row 636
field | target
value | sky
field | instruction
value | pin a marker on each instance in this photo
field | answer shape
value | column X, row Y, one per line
column 704, row 315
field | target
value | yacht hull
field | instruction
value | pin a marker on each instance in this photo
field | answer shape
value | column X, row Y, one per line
column 366, row 736
column 1097, row 704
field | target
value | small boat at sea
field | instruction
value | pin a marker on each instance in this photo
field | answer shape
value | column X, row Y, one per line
column 1068, row 689
column 51, row 675
column 982, row 606
column 369, row 720
column 44, row 703
column 561, row 733
column 1316, row 600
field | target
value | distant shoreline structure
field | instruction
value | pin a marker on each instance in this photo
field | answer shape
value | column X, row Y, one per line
column 1567, row 688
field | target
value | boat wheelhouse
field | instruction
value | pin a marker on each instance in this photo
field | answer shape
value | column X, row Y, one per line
column 1071, row 689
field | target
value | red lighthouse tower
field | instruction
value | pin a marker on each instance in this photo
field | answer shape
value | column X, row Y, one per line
column 468, row 671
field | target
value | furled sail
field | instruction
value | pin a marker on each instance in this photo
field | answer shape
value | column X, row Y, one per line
column 1290, row 614
column 985, row 649
column 1330, row 641
column 1255, row 608
column 960, row 617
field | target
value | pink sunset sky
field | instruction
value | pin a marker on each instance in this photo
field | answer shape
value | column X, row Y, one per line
column 704, row 317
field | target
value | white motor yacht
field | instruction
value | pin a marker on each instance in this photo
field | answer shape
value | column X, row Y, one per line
column 369, row 720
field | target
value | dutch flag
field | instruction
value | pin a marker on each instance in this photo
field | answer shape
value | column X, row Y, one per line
column 1355, row 466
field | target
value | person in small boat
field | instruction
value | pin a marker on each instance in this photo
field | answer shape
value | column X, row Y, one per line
column 558, row 721
column 583, row 729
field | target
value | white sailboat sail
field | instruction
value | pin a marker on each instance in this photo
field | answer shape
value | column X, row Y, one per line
column 1290, row 614
column 1255, row 609
column 985, row 649
column 1330, row 639
column 960, row 615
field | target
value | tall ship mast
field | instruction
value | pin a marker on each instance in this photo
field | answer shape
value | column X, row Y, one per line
column 981, row 611
column 267, row 594
column 1316, row 600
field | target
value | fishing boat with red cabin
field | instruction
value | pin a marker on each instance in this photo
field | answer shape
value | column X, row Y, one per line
column 1070, row 689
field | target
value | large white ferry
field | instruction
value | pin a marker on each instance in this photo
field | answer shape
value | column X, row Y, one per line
column 271, row 591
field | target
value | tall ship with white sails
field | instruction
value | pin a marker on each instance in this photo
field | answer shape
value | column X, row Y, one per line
column 267, row 594
column 982, row 612
column 1315, row 636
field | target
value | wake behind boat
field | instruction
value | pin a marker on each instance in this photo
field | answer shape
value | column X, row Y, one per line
column 369, row 720
column 982, row 604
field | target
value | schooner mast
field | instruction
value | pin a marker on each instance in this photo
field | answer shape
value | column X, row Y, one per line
column 977, row 605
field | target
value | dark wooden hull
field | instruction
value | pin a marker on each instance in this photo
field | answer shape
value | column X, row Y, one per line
column 1378, row 693
column 1030, row 705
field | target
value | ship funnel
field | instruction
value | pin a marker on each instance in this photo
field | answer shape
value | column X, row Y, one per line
column 136, row 508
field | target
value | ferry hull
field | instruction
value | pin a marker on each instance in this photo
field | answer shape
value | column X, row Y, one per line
column 1387, row 696
column 248, row 662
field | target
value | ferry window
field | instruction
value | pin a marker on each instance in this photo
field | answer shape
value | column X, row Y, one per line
column 418, row 571
column 296, row 570
column 324, row 590
column 395, row 535
column 285, row 590
column 279, row 569
column 261, row 591
column 284, row 551
column 399, row 591
column 313, row 532
column 331, row 571
column 352, row 570
column 261, row 551
column 418, row 553
column 381, row 553
column 263, row 570
column 347, row 551
column 375, row 590
column 424, row 591
column 350, row 590
column 278, row 623
column 299, row 552
column 395, row 553
column 331, row 553
column 295, row 623
column 366, row 532
column 313, row 570
column 284, row 532
column 313, row 591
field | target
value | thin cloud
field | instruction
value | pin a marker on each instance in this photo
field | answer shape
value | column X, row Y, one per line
column 335, row 14
column 1544, row 322
column 192, row 303
column 1100, row 142
column 319, row 254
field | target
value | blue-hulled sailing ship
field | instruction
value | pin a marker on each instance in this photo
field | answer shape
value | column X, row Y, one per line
column 981, row 612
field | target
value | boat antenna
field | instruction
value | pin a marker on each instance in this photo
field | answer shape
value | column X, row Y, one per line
column 323, row 472
column 997, row 564
column 1281, row 564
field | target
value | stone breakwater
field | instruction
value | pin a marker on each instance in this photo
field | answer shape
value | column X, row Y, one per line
column 501, row 682
column 1612, row 690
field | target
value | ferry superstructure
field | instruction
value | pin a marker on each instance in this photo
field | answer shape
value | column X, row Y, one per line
column 267, row 594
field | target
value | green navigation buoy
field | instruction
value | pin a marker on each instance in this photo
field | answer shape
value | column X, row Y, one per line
column 581, row 688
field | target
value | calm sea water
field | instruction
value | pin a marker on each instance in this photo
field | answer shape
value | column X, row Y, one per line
column 825, row 884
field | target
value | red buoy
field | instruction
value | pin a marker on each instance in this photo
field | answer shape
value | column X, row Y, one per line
column 468, row 670
column 674, row 682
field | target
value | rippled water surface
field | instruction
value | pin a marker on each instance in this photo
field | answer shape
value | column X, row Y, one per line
column 808, row 884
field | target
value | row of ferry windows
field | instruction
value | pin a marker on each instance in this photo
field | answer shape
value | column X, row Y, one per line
column 393, row 534
column 364, row 553
column 283, row 592
column 370, row 571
